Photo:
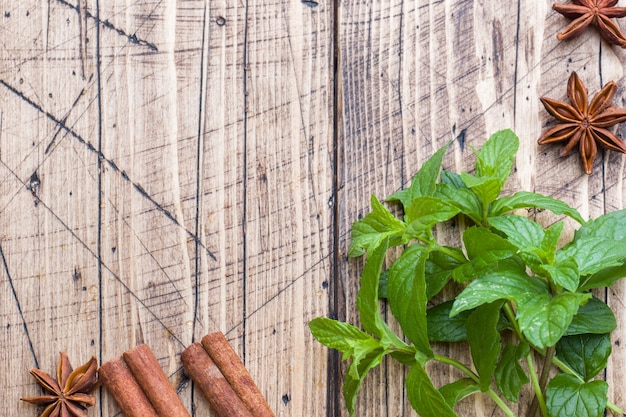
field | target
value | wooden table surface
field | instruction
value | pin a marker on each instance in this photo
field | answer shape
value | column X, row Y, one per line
column 170, row 168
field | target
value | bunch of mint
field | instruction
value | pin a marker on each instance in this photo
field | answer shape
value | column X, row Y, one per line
column 514, row 277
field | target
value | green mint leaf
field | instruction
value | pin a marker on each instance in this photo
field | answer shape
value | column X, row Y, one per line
column 586, row 354
column 485, row 250
column 452, row 179
column 565, row 273
column 367, row 299
column 382, row 284
column 509, row 375
column 507, row 284
column 514, row 263
column 457, row 390
column 479, row 240
column 484, row 341
column 526, row 235
column 521, row 231
column 544, row 319
column 406, row 294
column 365, row 351
column 345, row 338
column 356, row 374
column 497, row 155
column 462, row 198
column 438, row 269
column 551, row 240
column 424, row 397
column 424, row 213
column 608, row 226
column 603, row 278
column 567, row 396
column 408, row 357
column 526, row 199
column 593, row 254
column 481, row 264
column 369, row 232
column 594, row 317
column 442, row 327
column 486, row 189
column 424, row 182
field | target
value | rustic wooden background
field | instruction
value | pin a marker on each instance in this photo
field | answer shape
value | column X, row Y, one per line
column 168, row 168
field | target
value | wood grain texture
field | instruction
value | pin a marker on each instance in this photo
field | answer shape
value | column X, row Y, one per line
column 167, row 173
column 436, row 71
column 172, row 168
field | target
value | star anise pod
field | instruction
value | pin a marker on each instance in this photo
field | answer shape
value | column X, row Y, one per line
column 69, row 393
column 592, row 12
column 584, row 125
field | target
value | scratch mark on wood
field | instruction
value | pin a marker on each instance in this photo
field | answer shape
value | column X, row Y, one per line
column 82, row 34
column 115, row 276
column 321, row 261
column 5, row 266
column 150, row 17
column 64, row 121
column 204, row 60
column 99, row 196
column 336, row 293
column 141, row 242
column 105, row 23
column 47, row 25
column 111, row 164
column 244, row 217
column 515, row 74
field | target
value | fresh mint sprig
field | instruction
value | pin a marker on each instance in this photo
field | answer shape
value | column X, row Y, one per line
column 514, row 279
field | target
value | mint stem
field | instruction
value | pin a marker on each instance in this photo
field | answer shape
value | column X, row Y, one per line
column 510, row 314
column 615, row 409
column 467, row 371
column 454, row 255
column 458, row 365
column 505, row 408
column 535, row 380
column 543, row 379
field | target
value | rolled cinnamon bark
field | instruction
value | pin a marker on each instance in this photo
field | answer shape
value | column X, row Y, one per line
column 207, row 376
column 153, row 381
column 233, row 369
column 125, row 390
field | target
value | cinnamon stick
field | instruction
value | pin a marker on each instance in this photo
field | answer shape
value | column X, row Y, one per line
column 125, row 390
column 153, row 381
column 207, row 376
column 229, row 363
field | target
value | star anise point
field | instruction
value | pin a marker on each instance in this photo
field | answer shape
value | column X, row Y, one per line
column 68, row 395
column 584, row 124
column 592, row 12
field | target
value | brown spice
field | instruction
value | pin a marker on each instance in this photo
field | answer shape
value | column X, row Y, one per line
column 584, row 124
column 227, row 360
column 125, row 390
column 207, row 376
column 592, row 12
column 70, row 392
column 153, row 381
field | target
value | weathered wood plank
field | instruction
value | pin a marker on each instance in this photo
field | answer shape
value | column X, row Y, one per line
column 168, row 169
column 49, row 199
column 184, row 183
column 433, row 71
column 288, row 186
column 149, row 142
